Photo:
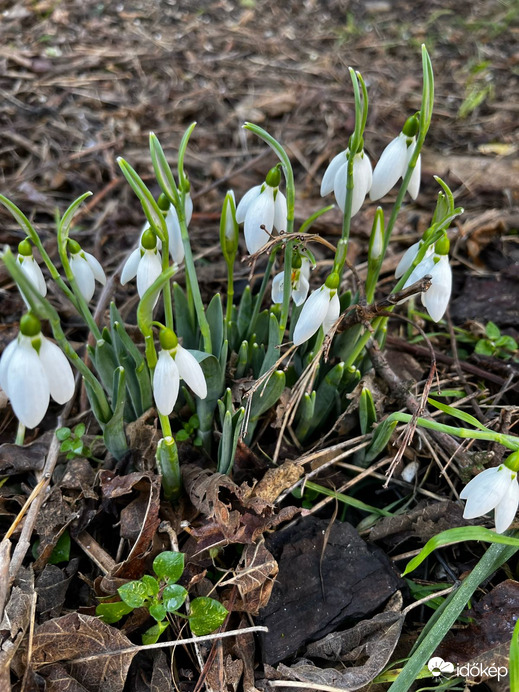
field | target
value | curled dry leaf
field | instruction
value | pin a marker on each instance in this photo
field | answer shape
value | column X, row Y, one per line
column 371, row 641
column 254, row 578
column 75, row 636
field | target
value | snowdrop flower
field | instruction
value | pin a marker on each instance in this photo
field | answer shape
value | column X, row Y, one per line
column 409, row 257
column 436, row 264
column 175, row 362
column 176, row 246
column 263, row 205
column 86, row 269
column 32, row 368
column 394, row 161
column 31, row 269
column 336, row 175
column 299, row 282
column 322, row 309
column 144, row 263
column 496, row 489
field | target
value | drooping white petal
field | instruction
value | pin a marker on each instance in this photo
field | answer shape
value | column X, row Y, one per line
column 4, row 363
column 407, row 259
column 300, row 291
column 506, row 510
column 188, row 208
column 190, row 371
column 390, row 167
column 32, row 271
column 305, row 267
column 362, row 178
column 149, row 269
column 485, row 491
column 243, row 206
column 332, row 314
column 260, row 213
column 131, row 265
column 366, row 169
column 422, row 268
column 176, row 246
column 414, row 183
column 58, row 371
column 166, row 382
column 280, row 212
column 339, row 186
column 327, row 182
column 97, row 269
column 277, row 288
column 83, row 275
column 312, row 315
column 27, row 385
column 437, row 297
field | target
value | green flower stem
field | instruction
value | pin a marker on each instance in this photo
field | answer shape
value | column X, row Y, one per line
column 168, row 464
column 230, row 299
column 20, row 434
column 290, row 196
column 166, row 291
column 508, row 441
column 261, row 292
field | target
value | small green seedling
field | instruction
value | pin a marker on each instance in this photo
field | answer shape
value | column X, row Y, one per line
column 188, row 429
column 495, row 344
column 161, row 595
column 72, row 442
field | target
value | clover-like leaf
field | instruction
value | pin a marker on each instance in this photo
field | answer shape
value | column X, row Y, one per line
column 158, row 611
column 173, row 597
column 492, row 331
column 134, row 593
column 112, row 612
column 206, row 615
column 169, row 565
column 151, row 636
column 152, row 585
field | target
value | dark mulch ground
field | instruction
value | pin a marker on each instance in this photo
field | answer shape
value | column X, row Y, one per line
column 82, row 83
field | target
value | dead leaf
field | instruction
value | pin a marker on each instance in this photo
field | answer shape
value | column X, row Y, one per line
column 51, row 587
column 254, row 578
column 73, row 636
column 276, row 480
column 15, row 459
column 161, row 676
column 370, row 641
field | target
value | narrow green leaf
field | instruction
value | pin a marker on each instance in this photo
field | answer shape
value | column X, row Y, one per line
column 451, row 536
column 214, row 314
column 162, row 170
column 462, row 415
column 149, row 205
column 113, row 431
column 66, row 219
column 347, row 500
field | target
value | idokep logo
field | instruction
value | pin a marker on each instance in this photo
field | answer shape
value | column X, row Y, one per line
column 438, row 667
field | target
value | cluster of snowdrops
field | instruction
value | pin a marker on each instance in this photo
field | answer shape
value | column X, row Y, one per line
column 200, row 345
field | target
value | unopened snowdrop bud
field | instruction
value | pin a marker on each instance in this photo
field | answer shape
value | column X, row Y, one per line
column 262, row 209
column 229, row 230
column 32, row 369
column 31, row 269
column 494, row 489
column 336, row 176
column 143, row 263
column 299, row 281
column 86, row 269
column 394, row 161
column 322, row 309
column 376, row 241
column 175, row 362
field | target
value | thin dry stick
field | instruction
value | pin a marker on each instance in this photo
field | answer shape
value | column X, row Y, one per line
column 167, row 645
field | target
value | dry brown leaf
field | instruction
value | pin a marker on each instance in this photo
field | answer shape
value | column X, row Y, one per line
column 254, row 578
column 276, row 480
column 372, row 641
column 73, row 636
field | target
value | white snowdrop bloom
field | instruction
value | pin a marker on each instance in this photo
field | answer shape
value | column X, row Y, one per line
column 436, row 264
column 32, row 368
column 263, row 205
column 176, row 246
column 144, row 263
column 496, row 489
column 336, row 175
column 394, row 161
column 299, row 284
column 322, row 309
column 409, row 256
column 31, row 269
column 175, row 362
column 87, row 270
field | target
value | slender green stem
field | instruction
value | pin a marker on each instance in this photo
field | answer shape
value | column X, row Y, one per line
column 261, row 292
column 287, row 290
column 166, row 290
column 20, row 434
column 230, row 298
